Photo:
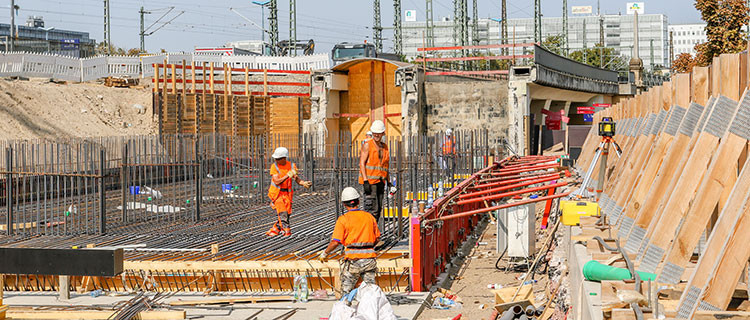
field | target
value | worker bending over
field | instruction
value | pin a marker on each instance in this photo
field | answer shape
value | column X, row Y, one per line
column 280, row 191
column 358, row 231
column 373, row 169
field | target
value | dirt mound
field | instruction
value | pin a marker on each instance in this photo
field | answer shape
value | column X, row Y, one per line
column 41, row 109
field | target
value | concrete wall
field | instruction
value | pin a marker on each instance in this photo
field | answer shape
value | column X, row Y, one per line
column 466, row 105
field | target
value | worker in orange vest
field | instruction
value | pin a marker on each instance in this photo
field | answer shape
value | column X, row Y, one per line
column 449, row 150
column 358, row 232
column 373, row 169
column 280, row 191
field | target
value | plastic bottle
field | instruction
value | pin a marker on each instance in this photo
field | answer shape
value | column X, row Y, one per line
column 441, row 190
column 301, row 292
column 529, row 282
column 495, row 286
column 96, row 293
column 430, row 198
column 304, row 290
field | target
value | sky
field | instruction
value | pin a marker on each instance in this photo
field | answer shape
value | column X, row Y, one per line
column 211, row 23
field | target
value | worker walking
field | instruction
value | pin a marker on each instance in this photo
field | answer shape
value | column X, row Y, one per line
column 373, row 169
column 358, row 232
column 280, row 191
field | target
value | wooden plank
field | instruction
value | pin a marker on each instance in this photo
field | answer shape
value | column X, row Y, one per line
column 729, row 68
column 18, row 313
column 505, row 295
column 713, row 315
column 717, row 241
column 231, row 300
column 383, row 264
column 661, row 231
column 697, row 218
column 643, row 212
column 731, row 265
column 700, row 85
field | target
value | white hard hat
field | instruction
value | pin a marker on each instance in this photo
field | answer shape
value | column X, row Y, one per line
column 449, row 131
column 369, row 133
column 280, row 152
column 377, row 126
column 349, row 194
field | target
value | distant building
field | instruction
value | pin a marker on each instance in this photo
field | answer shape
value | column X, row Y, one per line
column 686, row 36
column 618, row 34
column 34, row 37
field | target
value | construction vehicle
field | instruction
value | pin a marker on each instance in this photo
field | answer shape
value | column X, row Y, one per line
column 285, row 47
column 346, row 51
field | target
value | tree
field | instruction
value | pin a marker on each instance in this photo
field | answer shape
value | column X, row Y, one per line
column 684, row 63
column 554, row 44
column 134, row 51
column 593, row 56
column 725, row 20
column 101, row 48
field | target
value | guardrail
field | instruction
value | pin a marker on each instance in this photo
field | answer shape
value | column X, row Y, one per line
column 58, row 67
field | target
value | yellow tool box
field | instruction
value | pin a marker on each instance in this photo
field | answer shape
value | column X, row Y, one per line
column 572, row 211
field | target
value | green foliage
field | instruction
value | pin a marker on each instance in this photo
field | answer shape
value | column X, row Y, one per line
column 555, row 44
column 725, row 21
column 600, row 56
column 101, row 48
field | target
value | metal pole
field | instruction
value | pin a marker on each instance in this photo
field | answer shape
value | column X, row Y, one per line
column 12, row 27
column 102, row 193
column 9, row 189
column 143, row 44
column 124, row 182
column 565, row 27
column 198, row 180
column 602, row 169
column 399, row 187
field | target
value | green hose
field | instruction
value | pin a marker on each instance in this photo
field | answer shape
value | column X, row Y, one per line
column 595, row 271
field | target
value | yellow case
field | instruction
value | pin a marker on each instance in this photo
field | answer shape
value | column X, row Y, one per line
column 572, row 211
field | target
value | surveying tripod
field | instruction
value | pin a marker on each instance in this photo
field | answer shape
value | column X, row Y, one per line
column 607, row 132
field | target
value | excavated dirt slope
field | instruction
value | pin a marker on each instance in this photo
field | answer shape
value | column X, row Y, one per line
column 40, row 109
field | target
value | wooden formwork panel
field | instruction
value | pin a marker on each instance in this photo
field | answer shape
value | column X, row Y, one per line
column 260, row 115
column 284, row 116
column 244, row 124
column 189, row 114
column 208, row 115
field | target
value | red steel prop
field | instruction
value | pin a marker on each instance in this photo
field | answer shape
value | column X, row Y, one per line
column 435, row 236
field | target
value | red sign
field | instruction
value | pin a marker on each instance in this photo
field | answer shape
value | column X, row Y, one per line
column 555, row 116
column 585, row 110
column 602, row 105
column 552, row 124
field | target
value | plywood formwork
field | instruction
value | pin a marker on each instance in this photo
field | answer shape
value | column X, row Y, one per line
column 371, row 95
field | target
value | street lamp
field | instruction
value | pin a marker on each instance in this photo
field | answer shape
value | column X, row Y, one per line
column 46, row 37
column 262, row 5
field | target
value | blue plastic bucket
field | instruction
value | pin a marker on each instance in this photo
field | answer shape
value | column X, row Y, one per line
column 135, row 189
column 226, row 187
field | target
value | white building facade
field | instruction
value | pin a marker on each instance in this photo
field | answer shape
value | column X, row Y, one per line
column 583, row 31
column 686, row 36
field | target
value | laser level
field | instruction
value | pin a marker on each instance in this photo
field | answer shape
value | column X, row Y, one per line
column 607, row 132
column 607, row 127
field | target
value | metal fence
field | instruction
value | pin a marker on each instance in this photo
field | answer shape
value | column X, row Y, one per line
column 147, row 184
column 53, row 66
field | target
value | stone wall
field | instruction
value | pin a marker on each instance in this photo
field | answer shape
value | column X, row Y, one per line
column 467, row 105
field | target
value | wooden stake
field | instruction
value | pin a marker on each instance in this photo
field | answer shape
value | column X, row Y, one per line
column 156, row 78
column 265, row 82
column 247, row 81
column 211, row 75
column 174, row 79
column 192, row 78
column 184, row 80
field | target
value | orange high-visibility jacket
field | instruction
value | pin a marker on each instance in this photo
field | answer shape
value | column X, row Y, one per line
column 286, row 186
column 376, row 166
column 448, row 147
column 358, row 231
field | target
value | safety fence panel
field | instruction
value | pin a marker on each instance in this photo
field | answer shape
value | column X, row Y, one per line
column 87, row 69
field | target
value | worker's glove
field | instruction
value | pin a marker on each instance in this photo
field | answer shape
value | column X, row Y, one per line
column 323, row 257
column 306, row 184
column 291, row 174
